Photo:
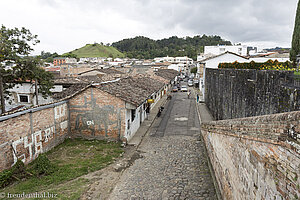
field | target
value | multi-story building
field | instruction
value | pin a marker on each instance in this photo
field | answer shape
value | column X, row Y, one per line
column 59, row 61
column 217, row 50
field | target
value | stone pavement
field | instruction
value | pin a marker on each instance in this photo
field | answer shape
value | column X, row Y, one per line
column 173, row 163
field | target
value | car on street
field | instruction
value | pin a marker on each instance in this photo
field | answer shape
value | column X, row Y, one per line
column 183, row 88
column 190, row 83
column 175, row 89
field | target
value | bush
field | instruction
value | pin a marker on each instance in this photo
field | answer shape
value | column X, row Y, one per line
column 5, row 178
column 43, row 166
column 17, row 172
column 269, row 65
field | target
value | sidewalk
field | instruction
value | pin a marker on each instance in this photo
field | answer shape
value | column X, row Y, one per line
column 141, row 132
column 204, row 113
column 205, row 116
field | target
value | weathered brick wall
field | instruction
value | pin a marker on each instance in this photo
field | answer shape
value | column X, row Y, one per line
column 232, row 93
column 97, row 114
column 256, row 157
column 36, row 131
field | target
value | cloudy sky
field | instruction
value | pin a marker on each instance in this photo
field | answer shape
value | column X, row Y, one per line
column 63, row 25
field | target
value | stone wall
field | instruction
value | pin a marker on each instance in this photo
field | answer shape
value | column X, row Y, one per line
column 26, row 134
column 97, row 114
column 232, row 93
column 256, row 157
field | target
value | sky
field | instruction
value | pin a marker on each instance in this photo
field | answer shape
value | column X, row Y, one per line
column 64, row 25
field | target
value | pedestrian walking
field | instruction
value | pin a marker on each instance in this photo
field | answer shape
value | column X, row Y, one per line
column 188, row 93
column 197, row 98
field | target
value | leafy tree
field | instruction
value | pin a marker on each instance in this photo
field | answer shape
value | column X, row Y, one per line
column 48, row 57
column 143, row 47
column 15, row 46
column 69, row 55
column 295, row 50
column 194, row 70
column 43, row 80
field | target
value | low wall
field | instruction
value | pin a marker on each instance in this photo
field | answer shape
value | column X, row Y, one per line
column 26, row 134
column 256, row 157
column 232, row 93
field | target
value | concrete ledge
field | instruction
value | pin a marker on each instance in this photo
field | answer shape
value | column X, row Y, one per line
column 204, row 113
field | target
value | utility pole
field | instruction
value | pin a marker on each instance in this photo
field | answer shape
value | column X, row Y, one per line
column 2, row 94
column 36, row 92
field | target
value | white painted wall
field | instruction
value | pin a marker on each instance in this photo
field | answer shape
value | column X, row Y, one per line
column 216, row 50
column 27, row 89
column 133, row 125
column 226, row 58
column 262, row 60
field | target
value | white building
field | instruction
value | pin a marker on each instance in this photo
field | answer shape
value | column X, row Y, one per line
column 23, row 95
column 217, row 50
column 71, row 60
column 227, row 57
column 183, row 60
column 265, row 59
column 213, row 62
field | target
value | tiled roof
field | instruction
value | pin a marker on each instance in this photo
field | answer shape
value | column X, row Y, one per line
column 134, row 90
column 168, row 74
column 68, row 80
column 105, row 71
column 148, row 83
column 69, row 91
column 78, row 80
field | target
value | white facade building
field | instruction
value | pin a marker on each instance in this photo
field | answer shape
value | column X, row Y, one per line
column 24, row 95
column 227, row 57
column 71, row 60
column 213, row 62
column 265, row 59
column 217, row 50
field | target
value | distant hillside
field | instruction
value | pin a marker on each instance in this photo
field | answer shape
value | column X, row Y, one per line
column 96, row 50
column 143, row 47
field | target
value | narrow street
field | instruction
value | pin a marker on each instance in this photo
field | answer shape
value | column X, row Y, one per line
column 173, row 163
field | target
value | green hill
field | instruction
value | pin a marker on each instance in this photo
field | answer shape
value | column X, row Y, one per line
column 96, row 50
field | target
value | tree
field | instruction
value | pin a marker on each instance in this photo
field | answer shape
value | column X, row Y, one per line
column 15, row 46
column 43, row 80
column 194, row 70
column 295, row 50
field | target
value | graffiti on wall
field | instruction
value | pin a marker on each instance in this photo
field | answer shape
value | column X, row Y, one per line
column 293, row 138
column 99, row 119
column 104, row 119
column 29, row 147
column 60, row 111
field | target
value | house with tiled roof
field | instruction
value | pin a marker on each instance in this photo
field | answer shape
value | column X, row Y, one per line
column 114, row 109
column 93, row 72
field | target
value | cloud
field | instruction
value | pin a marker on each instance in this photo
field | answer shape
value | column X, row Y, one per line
column 63, row 25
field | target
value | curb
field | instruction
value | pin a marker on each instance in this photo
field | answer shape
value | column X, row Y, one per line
column 151, row 123
column 211, row 169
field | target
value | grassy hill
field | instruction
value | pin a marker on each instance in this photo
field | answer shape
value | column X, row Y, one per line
column 97, row 50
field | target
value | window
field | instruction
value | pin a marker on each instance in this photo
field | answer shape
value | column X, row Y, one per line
column 24, row 98
column 222, row 49
column 132, row 115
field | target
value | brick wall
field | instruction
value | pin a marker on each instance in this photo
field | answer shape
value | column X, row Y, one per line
column 256, row 157
column 232, row 93
column 26, row 135
column 97, row 114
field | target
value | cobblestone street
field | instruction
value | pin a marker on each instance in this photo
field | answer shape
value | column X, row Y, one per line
column 172, row 163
